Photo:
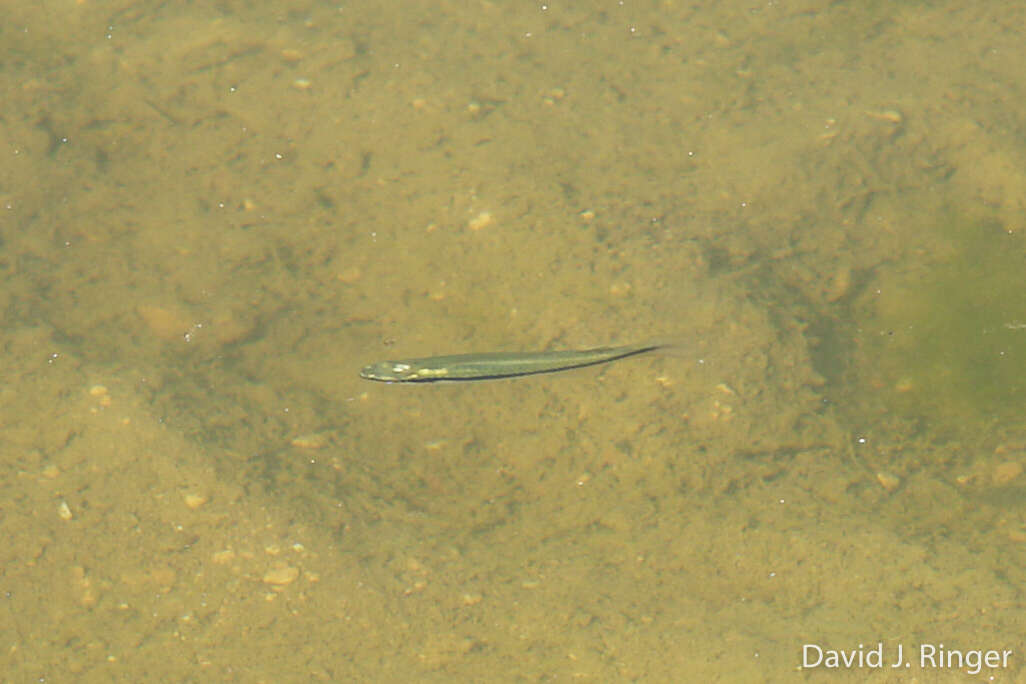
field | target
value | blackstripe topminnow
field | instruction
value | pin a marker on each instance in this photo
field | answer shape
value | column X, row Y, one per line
column 494, row 365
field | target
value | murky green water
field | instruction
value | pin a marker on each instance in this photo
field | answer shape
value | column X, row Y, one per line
column 944, row 339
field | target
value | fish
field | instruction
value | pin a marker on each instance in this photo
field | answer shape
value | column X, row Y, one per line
column 496, row 365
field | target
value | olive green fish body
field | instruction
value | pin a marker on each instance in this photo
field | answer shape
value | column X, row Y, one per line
column 494, row 365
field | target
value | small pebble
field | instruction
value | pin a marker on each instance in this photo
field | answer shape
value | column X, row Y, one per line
column 482, row 220
column 1005, row 473
column 312, row 440
column 224, row 557
column 194, row 500
column 888, row 481
column 64, row 511
column 101, row 393
column 350, row 275
column 904, row 384
column 893, row 116
column 1018, row 536
column 471, row 599
column 281, row 575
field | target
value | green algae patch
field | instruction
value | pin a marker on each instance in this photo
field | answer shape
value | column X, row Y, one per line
column 946, row 339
